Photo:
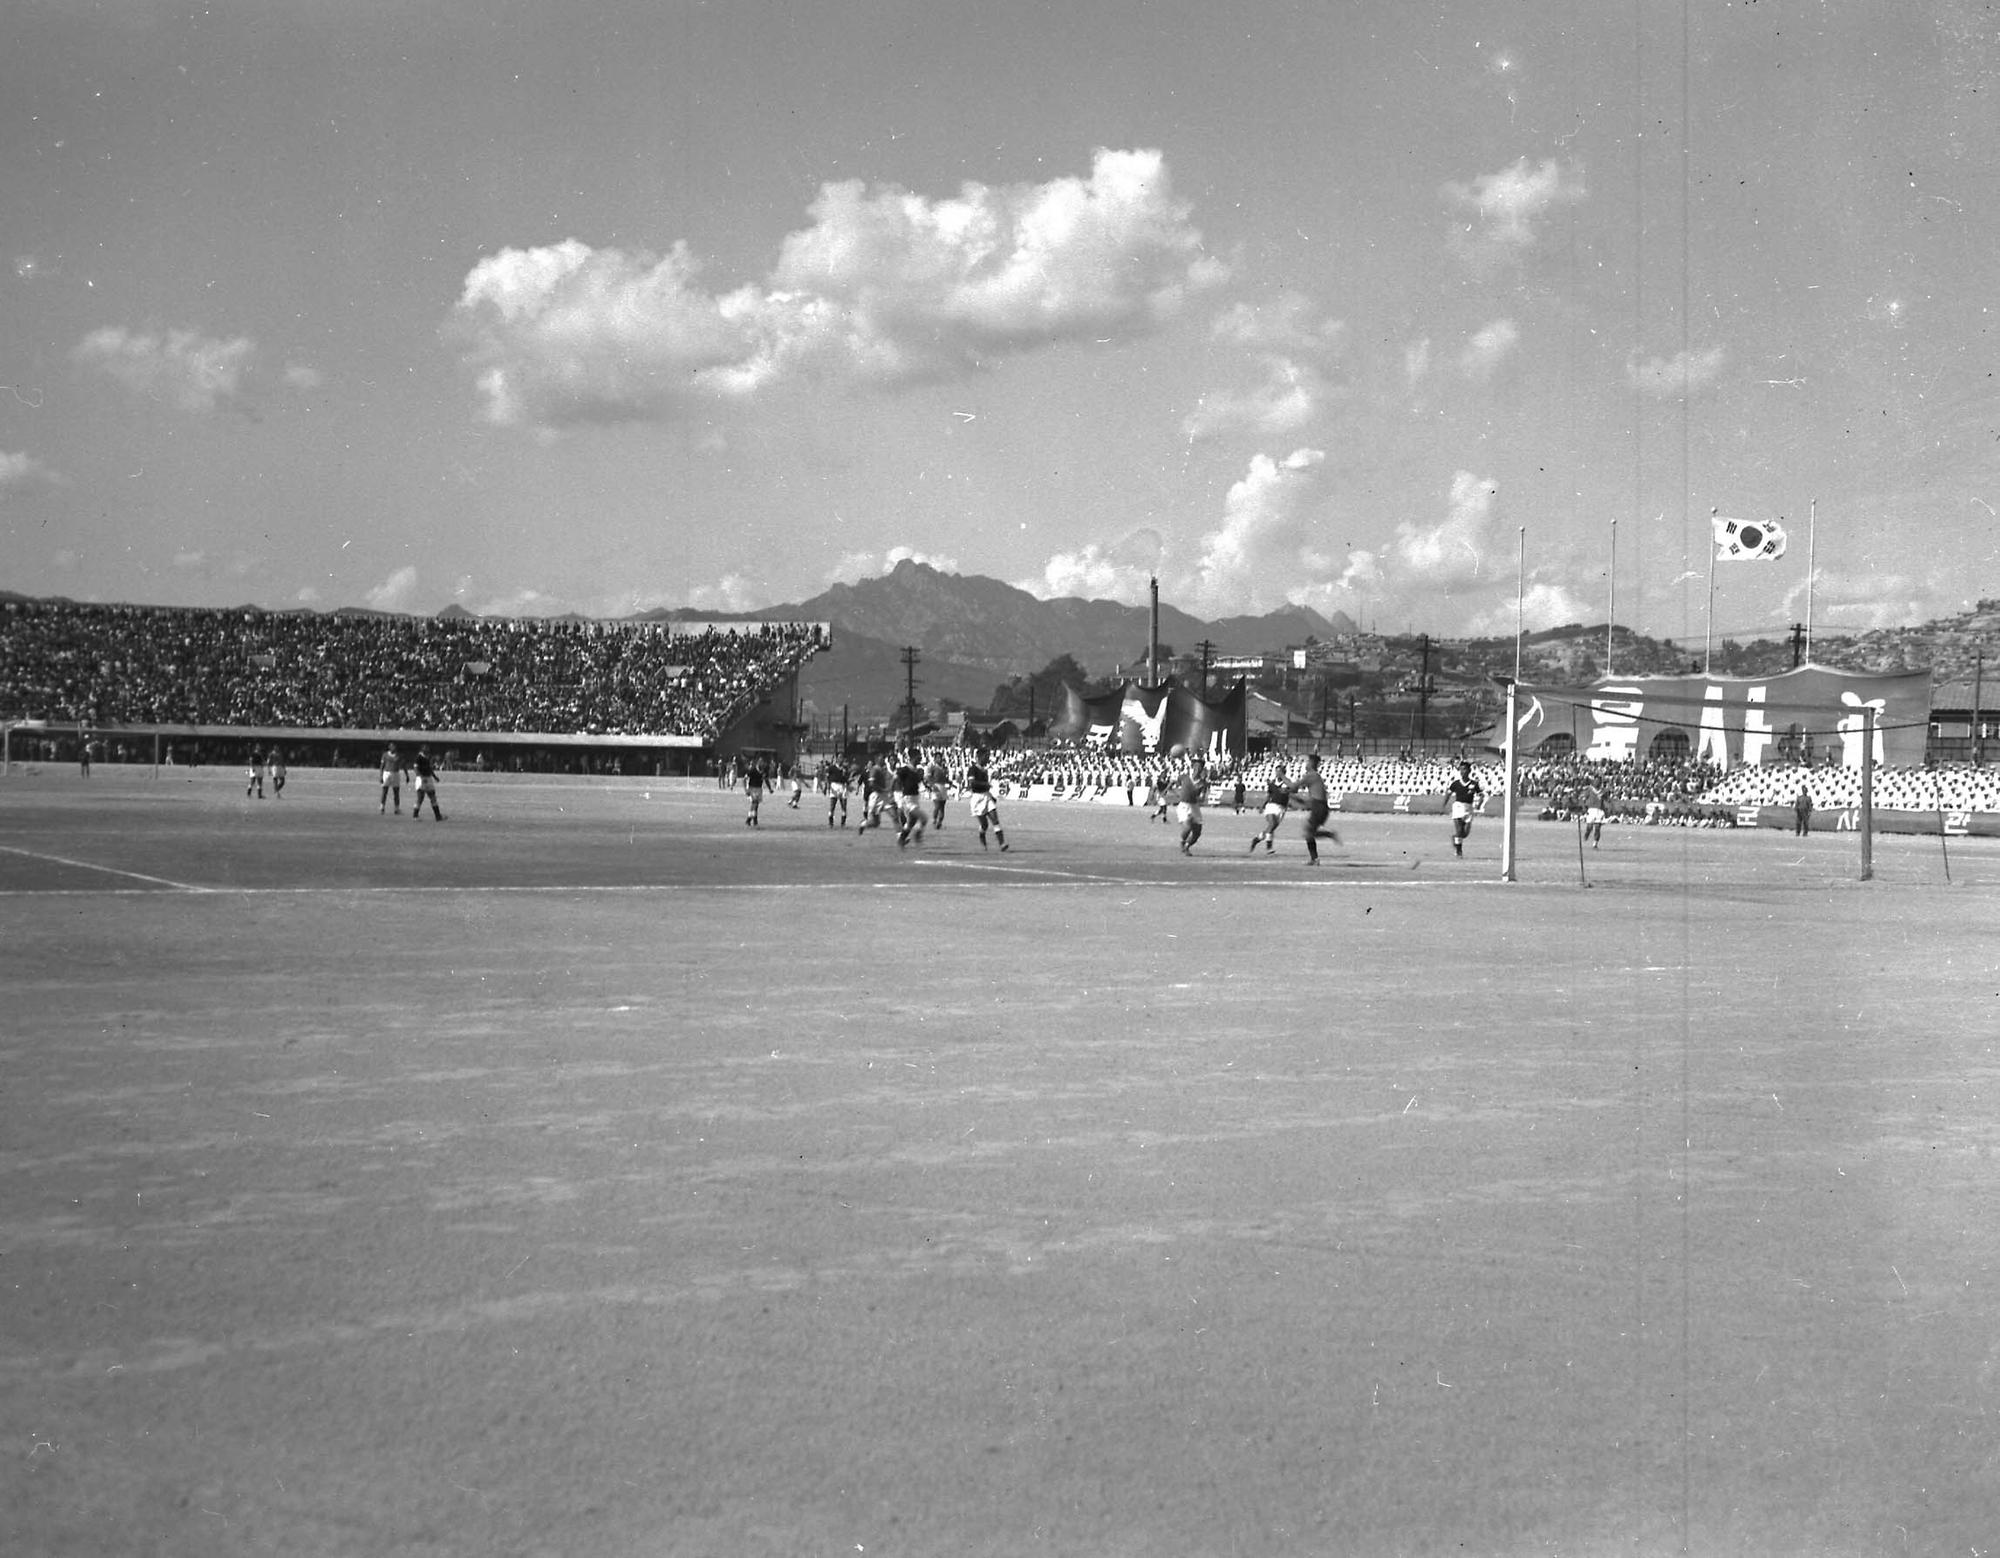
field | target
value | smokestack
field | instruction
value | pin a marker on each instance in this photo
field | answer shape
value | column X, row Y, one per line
column 1153, row 642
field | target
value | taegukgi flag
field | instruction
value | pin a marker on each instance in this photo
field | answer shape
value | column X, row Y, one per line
column 1747, row 540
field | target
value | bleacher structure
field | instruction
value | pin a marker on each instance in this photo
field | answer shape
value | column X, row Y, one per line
column 639, row 695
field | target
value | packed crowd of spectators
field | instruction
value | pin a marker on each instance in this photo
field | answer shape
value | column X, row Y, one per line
column 155, row 665
column 1949, row 787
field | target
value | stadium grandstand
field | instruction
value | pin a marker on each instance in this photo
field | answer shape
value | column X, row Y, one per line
column 200, row 685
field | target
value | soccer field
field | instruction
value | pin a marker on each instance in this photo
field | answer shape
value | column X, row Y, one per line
column 590, row 1174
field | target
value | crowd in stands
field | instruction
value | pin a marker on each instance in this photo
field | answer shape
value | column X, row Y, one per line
column 1661, row 792
column 153, row 665
column 1949, row 787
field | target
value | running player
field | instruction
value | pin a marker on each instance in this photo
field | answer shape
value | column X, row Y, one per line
column 1277, row 800
column 985, row 810
column 1187, row 807
column 1461, row 796
column 753, row 788
column 909, row 789
column 835, row 777
column 1318, row 808
column 875, row 795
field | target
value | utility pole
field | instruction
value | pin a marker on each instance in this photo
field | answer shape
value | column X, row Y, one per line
column 1424, row 696
column 910, row 658
column 1207, row 655
column 1978, row 729
column 1798, row 644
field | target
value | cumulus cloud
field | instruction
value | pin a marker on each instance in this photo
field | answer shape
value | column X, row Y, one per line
column 1122, row 572
column 852, row 567
column 188, row 371
column 1286, row 323
column 1289, row 344
column 731, row 593
column 1674, row 375
column 396, row 592
column 1253, row 558
column 1502, row 209
column 21, row 472
column 884, row 287
column 1289, row 397
column 1546, row 603
column 1855, row 603
column 1453, row 553
column 1485, row 351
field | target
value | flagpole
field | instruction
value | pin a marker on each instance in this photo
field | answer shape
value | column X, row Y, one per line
column 1611, row 598
column 1520, row 600
column 1708, row 647
column 1812, row 536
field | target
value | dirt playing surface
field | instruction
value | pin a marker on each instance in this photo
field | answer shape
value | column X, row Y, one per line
column 589, row 1174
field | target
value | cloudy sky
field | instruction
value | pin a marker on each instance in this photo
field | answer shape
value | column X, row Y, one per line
column 1396, row 307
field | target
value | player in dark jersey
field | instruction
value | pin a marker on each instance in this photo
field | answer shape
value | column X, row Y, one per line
column 1188, row 796
column 1312, row 790
column 753, row 788
column 1461, row 796
column 834, row 773
column 875, row 794
column 1277, row 801
column 985, row 809
column 908, row 785
column 427, row 784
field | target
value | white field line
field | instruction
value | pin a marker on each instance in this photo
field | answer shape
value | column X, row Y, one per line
column 86, row 865
column 1040, row 882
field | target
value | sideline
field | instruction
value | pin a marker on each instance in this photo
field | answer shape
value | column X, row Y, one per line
column 1037, row 883
column 86, row 865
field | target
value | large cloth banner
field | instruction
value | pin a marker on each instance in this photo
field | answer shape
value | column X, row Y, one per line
column 1138, row 721
column 1800, row 715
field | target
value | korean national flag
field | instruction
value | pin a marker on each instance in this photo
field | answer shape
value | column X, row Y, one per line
column 1747, row 540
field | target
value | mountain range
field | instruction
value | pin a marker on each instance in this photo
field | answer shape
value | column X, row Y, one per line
column 972, row 634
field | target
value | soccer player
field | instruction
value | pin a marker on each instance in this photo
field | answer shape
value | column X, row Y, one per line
column 1461, row 795
column 875, row 795
column 937, row 778
column 427, row 784
column 985, row 810
column 1318, row 808
column 798, row 787
column 256, row 785
column 1187, row 806
column 1593, row 816
column 277, row 773
column 753, row 788
column 1277, row 801
column 909, row 788
column 392, row 780
column 835, row 777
